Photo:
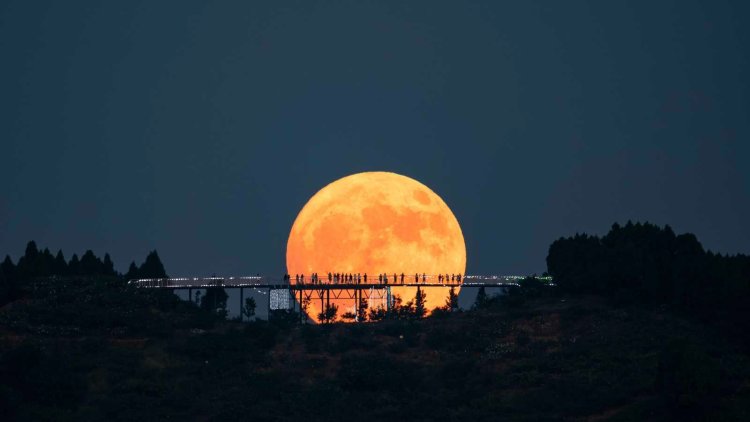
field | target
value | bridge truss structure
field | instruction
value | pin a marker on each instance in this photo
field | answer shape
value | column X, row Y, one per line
column 286, row 295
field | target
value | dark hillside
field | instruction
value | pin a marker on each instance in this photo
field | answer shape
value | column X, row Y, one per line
column 102, row 351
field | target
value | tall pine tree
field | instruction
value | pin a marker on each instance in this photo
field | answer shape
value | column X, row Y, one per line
column 132, row 273
column 90, row 264
column 108, row 267
column 481, row 300
column 74, row 266
column 452, row 302
column 419, row 303
column 60, row 267
column 152, row 267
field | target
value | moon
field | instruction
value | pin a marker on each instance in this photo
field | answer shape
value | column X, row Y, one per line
column 374, row 223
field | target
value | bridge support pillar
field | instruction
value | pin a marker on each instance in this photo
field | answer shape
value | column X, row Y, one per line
column 242, row 303
column 388, row 299
column 301, row 310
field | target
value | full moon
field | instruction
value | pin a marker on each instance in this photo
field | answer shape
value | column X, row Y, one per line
column 374, row 223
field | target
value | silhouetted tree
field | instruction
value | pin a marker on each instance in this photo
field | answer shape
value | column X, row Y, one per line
column 132, row 273
column 531, row 286
column 400, row 310
column 74, row 266
column 8, row 268
column 348, row 316
column 481, row 300
column 362, row 310
column 215, row 300
column 108, row 267
column 377, row 314
column 249, row 309
column 8, row 282
column 305, row 305
column 3, row 289
column 419, row 303
column 328, row 315
column 27, row 264
column 90, row 264
column 60, row 267
column 152, row 267
column 451, row 304
column 45, row 263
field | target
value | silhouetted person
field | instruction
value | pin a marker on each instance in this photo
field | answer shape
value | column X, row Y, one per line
column 402, row 278
column 365, row 278
column 296, row 278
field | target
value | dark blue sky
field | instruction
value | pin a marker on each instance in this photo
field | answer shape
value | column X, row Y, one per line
column 201, row 130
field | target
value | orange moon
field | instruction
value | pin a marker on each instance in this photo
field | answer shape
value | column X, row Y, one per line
column 373, row 223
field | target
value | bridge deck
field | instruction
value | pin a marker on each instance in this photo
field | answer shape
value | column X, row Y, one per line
column 321, row 286
column 271, row 283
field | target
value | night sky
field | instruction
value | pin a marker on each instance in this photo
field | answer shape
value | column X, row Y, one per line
column 201, row 130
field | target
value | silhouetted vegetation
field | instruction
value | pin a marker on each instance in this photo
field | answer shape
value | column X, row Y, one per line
column 419, row 303
column 215, row 300
column 15, row 279
column 151, row 268
column 481, row 300
column 248, row 309
column 362, row 310
column 328, row 314
column 92, row 347
column 651, row 265
column 451, row 304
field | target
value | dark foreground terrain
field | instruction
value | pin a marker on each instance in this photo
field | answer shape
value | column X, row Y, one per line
column 96, row 350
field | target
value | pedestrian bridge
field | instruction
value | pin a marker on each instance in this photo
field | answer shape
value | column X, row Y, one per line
column 306, row 283
column 281, row 293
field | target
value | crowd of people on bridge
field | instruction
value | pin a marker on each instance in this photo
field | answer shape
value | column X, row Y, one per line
column 385, row 279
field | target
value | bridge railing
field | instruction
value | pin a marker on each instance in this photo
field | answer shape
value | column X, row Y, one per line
column 264, row 281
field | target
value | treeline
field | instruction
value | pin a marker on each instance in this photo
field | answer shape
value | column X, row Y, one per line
column 37, row 264
column 650, row 264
